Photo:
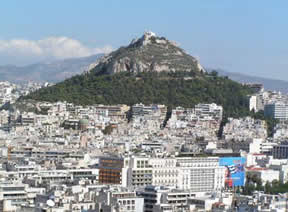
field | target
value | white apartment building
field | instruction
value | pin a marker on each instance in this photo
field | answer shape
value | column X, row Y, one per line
column 17, row 193
column 260, row 146
column 149, row 110
column 209, row 110
column 164, row 171
column 55, row 175
column 136, row 172
column 160, row 198
column 129, row 202
column 253, row 103
column 266, row 175
column 199, row 174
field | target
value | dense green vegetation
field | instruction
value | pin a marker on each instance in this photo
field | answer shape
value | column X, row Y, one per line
column 254, row 183
column 276, row 187
column 108, row 130
column 170, row 88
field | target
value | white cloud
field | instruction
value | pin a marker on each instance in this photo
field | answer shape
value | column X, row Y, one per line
column 51, row 47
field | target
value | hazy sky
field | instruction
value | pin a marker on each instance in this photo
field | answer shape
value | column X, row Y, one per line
column 247, row 36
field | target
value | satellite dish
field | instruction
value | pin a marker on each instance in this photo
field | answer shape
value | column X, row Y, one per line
column 50, row 203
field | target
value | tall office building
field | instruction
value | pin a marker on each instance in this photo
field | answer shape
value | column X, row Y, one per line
column 276, row 111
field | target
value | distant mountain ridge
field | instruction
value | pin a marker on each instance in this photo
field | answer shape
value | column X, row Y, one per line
column 55, row 71
column 269, row 84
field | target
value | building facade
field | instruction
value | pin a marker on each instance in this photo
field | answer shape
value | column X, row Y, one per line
column 276, row 111
column 197, row 174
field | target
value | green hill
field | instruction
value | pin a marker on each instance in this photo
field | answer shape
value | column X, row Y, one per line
column 170, row 88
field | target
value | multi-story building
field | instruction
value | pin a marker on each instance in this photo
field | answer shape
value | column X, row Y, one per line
column 280, row 151
column 253, row 103
column 161, row 198
column 113, row 111
column 71, row 124
column 200, row 174
column 110, row 170
column 209, row 110
column 276, row 111
column 129, row 202
column 157, row 111
column 55, row 176
column 16, row 194
column 27, row 118
column 136, row 172
column 164, row 171
column 259, row 146
column 197, row 174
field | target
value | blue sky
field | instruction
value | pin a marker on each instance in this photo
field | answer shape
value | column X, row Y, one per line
column 247, row 36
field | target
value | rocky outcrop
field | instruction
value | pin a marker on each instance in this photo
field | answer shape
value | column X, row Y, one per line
column 148, row 53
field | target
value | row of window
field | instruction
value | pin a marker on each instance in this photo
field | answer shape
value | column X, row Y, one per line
column 126, row 202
